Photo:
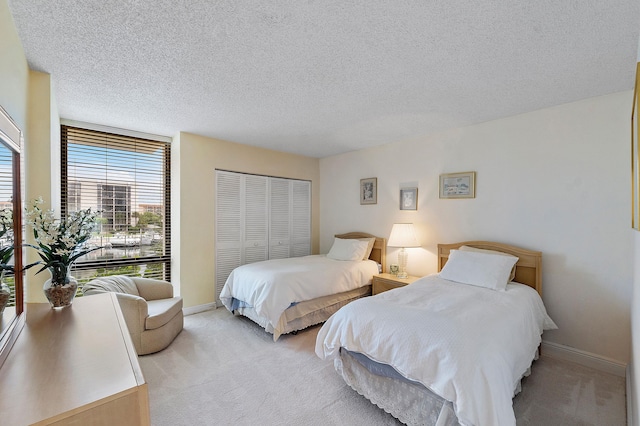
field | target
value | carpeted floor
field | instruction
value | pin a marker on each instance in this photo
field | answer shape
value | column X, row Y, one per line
column 225, row 370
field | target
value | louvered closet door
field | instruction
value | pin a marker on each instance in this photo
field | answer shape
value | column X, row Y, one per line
column 259, row 218
column 256, row 215
column 279, row 218
column 228, row 227
column 300, row 218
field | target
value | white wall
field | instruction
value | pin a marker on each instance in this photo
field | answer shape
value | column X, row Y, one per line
column 554, row 180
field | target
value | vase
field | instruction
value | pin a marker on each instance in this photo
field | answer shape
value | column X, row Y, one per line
column 5, row 292
column 61, row 288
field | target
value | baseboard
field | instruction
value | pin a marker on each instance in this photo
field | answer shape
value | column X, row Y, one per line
column 199, row 308
column 588, row 359
column 629, row 395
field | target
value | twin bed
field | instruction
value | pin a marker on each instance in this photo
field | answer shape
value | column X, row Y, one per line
column 444, row 351
column 288, row 295
column 449, row 349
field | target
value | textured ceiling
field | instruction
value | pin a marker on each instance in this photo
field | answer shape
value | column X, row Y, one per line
column 324, row 77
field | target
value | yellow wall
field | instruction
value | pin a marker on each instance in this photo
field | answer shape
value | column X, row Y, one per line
column 14, row 73
column 27, row 96
column 194, row 161
column 42, row 170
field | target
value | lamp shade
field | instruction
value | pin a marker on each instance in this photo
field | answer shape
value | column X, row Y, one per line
column 403, row 235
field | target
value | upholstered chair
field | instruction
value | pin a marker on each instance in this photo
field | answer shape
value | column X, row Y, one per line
column 153, row 316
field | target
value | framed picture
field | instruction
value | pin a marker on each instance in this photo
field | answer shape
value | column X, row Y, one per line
column 409, row 199
column 458, row 185
column 369, row 191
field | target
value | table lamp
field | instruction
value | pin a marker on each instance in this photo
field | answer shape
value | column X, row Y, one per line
column 403, row 235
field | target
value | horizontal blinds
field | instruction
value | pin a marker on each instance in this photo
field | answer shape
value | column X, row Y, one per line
column 6, row 202
column 6, row 178
column 126, row 179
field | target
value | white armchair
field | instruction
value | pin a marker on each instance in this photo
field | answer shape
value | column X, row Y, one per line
column 153, row 316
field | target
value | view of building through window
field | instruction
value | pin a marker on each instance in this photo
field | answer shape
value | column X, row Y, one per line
column 126, row 180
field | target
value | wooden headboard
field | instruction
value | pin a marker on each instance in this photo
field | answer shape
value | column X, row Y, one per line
column 379, row 252
column 528, row 267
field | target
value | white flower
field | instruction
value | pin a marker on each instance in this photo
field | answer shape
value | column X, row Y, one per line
column 62, row 252
column 60, row 240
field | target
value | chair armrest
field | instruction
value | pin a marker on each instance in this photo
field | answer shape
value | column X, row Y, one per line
column 135, row 311
column 151, row 289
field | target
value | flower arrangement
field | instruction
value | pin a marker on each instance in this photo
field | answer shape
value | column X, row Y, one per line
column 60, row 242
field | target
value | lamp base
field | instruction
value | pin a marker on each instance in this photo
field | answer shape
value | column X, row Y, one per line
column 403, row 256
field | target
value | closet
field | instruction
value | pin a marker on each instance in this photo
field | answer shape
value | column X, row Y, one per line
column 259, row 218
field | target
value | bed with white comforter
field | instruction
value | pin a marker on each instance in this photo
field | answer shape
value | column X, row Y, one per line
column 287, row 295
column 267, row 289
column 468, row 344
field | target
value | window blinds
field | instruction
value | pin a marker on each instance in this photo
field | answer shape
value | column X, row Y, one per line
column 126, row 179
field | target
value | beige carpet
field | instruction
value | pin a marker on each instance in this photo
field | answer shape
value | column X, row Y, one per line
column 225, row 370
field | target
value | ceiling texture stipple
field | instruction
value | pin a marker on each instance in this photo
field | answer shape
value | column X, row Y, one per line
column 320, row 78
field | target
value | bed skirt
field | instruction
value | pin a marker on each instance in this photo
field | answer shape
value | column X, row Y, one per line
column 408, row 401
column 307, row 313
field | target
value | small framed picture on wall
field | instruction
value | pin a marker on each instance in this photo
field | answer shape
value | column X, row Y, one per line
column 458, row 185
column 409, row 199
column 369, row 191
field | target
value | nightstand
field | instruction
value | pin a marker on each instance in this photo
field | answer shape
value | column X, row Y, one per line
column 384, row 282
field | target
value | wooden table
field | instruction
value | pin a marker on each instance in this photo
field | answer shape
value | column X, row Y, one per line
column 75, row 365
column 385, row 282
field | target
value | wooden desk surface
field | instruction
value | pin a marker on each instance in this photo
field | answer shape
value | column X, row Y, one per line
column 67, row 361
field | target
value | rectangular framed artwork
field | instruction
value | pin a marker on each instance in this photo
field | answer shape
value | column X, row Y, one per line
column 458, row 185
column 409, row 199
column 369, row 191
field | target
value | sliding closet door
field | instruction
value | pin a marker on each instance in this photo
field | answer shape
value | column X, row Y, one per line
column 280, row 218
column 256, row 224
column 228, row 227
column 300, row 218
column 290, row 218
column 259, row 218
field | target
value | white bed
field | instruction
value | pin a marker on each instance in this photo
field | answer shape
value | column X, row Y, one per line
column 287, row 295
column 443, row 352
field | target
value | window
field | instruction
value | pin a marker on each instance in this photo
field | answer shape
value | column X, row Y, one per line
column 126, row 179
column 6, row 202
column 74, row 190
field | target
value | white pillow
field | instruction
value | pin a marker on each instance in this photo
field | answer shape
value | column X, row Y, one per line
column 513, row 270
column 371, row 242
column 347, row 249
column 480, row 269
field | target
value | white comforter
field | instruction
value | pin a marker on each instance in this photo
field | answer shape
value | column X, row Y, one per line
column 270, row 287
column 468, row 344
